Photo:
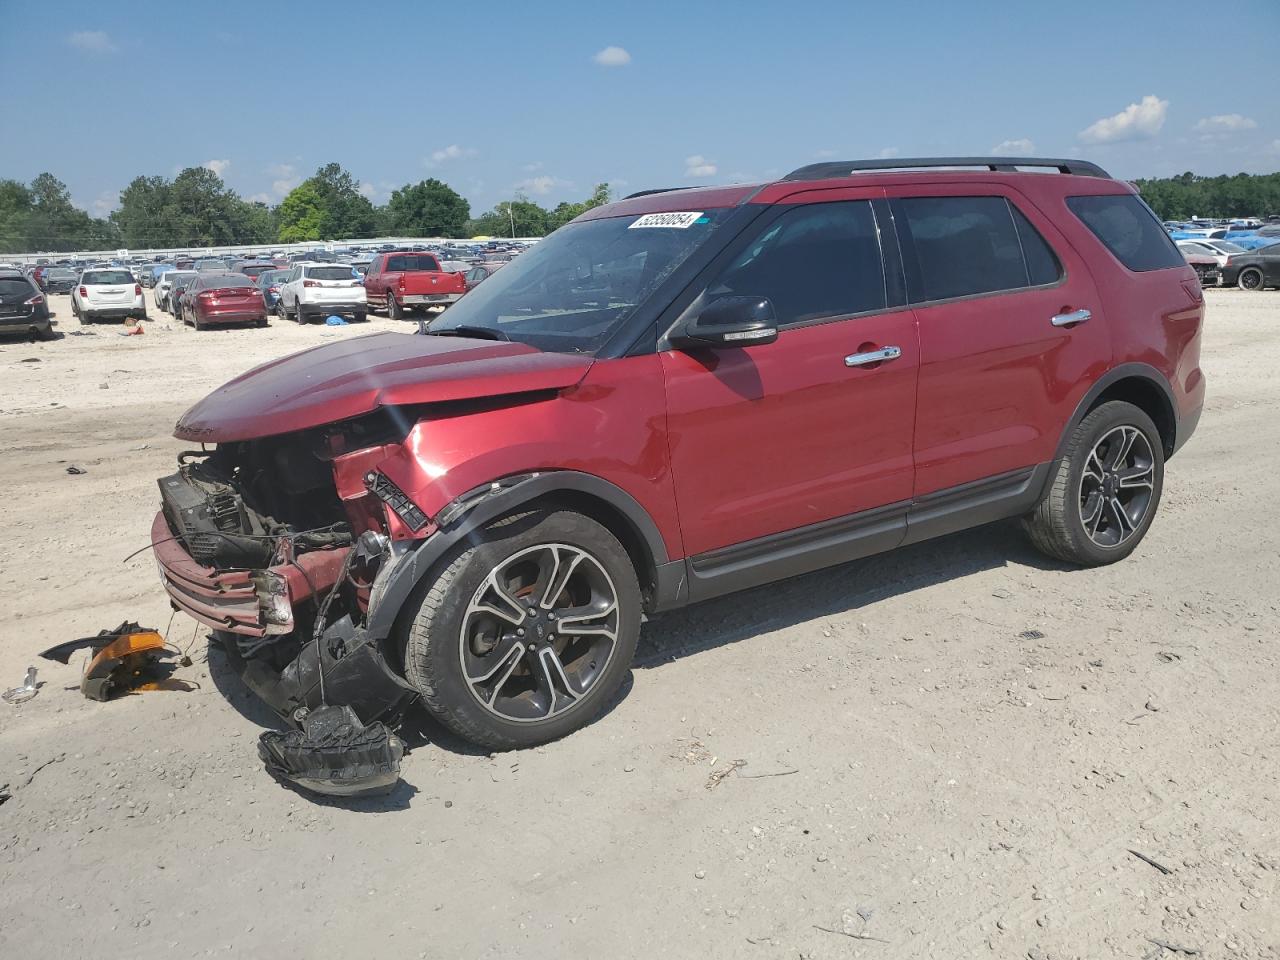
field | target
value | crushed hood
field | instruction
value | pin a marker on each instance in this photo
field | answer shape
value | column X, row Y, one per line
column 341, row 380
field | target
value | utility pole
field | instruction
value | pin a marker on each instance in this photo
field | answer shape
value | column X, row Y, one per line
column 513, row 220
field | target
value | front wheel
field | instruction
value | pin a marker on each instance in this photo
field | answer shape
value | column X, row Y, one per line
column 527, row 632
column 1250, row 279
column 1104, row 491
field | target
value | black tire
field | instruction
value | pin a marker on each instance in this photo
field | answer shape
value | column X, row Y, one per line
column 298, row 315
column 46, row 333
column 393, row 308
column 360, row 317
column 278, row 310
column 1057, row 526
column 261, row 323
column 433, row 650
column 1250, row 279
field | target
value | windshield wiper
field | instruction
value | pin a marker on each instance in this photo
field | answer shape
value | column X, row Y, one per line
column 464, row 330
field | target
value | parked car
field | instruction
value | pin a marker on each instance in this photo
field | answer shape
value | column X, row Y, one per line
column 217, row 299
column 676, row 396
column 313, row 291
column 161, row 292
column 152, row 276
column 58, row 279
column 1255, row 270
column 107, row 293
column 212, row 265
column 482, row 271
column 253, row 268
column 269, row 282
column 178, row 282
column 399, row 281
column 23, row 306
column 1205, row 266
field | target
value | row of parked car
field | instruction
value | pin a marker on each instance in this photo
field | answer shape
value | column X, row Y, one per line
column 1242, row 253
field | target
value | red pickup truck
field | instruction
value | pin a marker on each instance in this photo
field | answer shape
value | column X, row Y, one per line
column 399, row 281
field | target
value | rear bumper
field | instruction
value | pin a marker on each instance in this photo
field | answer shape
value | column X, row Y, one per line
column 1186, row 426
column 351, row 306
column 26, row 323
column 136, row 310
column 429, row 299
column 233, row 316
column 228, row 599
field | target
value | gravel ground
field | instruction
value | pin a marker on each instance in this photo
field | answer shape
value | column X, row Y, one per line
column 948, row 751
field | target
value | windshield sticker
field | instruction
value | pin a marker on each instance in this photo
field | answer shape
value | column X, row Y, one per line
column 677, row 221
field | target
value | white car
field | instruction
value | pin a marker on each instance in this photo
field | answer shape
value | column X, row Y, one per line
column 1220, row 250
column 163, row 283
column 320, row 290
column 108, row 293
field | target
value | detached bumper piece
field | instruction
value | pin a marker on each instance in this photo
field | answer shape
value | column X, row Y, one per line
column 334, row 754
column 124, row 659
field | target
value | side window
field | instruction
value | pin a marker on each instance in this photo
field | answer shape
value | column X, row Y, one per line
column 395, row 263
column 1127, row 227
column 1042, row 263
column 963, row 246
column 817, row 260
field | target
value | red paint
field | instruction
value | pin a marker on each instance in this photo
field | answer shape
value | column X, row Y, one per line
column 409, row 283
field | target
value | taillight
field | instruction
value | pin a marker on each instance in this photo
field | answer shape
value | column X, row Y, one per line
column 83, row 293
column 207, row 295
column 38, row 298
column 401, row 283
column 137, row 289
column 311, row 283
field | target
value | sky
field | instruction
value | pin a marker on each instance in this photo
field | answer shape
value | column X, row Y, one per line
column 550, row 98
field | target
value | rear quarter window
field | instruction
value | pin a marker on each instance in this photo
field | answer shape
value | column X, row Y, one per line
column 1127, row 227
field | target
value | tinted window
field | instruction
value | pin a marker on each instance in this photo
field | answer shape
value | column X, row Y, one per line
column 225, row 280
column 412, row 262
column 963, row 245
column 819, row 260
column 331, row 273
column 1128, row 228
column 108, row 276
column 1042, row 263
column 14, row 290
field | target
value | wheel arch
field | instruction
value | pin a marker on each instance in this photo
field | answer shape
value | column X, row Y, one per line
column 662, row 580
column 1140, row 384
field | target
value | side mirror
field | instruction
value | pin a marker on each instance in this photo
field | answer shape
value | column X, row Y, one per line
column 731, row 322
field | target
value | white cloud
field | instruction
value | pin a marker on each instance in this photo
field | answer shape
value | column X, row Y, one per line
column 612, row 57
column 282, row 169
column 888, row 153
column 283, row 186
column 451, row 152
column 1021, row 147
column 699, row 166
column 219, row 167
column 532, row 167
column 1137, row 121
column 541, row 186
column 367, row 190
column 1225, row 123
column 95, row 41
column 261, row 198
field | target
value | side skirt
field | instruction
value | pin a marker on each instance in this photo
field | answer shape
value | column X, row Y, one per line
column 805, row 549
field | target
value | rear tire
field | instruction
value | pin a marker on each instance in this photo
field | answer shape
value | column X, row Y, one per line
column 1104, row 491
column 393, row 308
column 361, row 317
column 552, row 679
column 1250, row 279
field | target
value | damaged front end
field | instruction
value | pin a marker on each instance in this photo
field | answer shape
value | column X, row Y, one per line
column 279, row 544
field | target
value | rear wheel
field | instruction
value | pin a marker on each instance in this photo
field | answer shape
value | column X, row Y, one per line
column 527, row 632
column 1250, row 279
column 393, row 308
column 360, row 317
column 1105, row 489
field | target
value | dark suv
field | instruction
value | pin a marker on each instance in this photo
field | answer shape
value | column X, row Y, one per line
column 23, row 306
column 676, row 396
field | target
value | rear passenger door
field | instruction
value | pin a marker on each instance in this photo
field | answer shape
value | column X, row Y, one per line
column 1011, row 331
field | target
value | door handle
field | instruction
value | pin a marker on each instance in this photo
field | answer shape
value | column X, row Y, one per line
column 1070, row 319
column 872, row 356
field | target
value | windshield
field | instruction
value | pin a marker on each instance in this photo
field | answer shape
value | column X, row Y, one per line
column 575, row 288
column 1226, row 246
column 108, row 276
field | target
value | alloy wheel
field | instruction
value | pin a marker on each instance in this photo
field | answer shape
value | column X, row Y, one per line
column 1116, row 486
column 1251, row 280
column 539, row 632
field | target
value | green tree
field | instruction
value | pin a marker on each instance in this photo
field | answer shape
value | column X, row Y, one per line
column 428, row 208
column 520, row 217
column 55, row 223
column 302, row 215
column 144, row 216
column 15, row 210
column 344, row 211
column 565, row 212
column 1187, row 195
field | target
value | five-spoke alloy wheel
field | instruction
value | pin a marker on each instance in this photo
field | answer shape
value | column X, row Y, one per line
column 525, row 633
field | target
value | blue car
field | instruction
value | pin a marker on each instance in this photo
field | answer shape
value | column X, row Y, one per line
column 269, row 283
column 1254, row 242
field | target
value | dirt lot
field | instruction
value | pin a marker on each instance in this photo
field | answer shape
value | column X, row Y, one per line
column 949, row 751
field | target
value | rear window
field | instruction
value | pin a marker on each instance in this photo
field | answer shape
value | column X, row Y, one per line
column 410, row 262
column 14, row 289
column 108, row 276
column 226, row 280
column 257, row 269
column 1127, row 227
column 331, row 273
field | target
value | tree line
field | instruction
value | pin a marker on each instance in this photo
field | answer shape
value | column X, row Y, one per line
column 196, row 209
column 1187, row 195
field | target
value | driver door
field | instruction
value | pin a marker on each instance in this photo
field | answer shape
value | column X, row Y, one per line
column 795, row 454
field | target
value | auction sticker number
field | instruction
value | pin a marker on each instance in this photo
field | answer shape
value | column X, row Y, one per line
column 677, row 221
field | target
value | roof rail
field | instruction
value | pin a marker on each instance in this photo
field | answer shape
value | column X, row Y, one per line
column 843, row 168
column 649, row 193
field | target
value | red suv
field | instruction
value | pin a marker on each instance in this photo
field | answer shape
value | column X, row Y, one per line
column 676, row 396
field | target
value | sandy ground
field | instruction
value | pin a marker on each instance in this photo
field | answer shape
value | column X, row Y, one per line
column 949, row 751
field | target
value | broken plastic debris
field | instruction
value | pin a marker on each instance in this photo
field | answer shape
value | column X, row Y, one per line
column 75, row 471
column 126, row 658
column 25, row 692
column 335, row 754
